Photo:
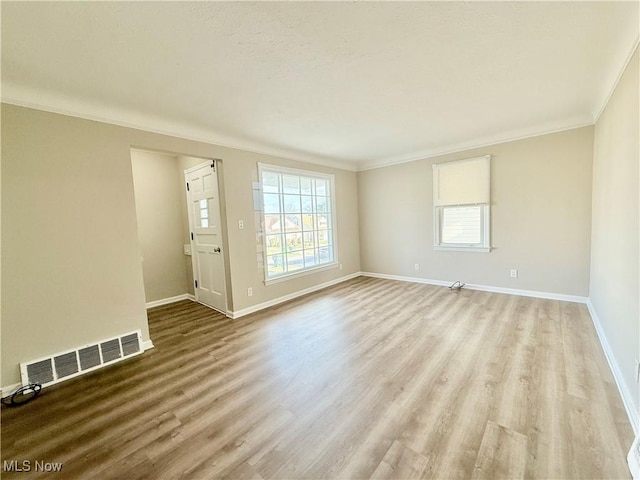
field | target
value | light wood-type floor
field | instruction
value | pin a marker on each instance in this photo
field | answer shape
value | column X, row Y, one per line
column 367, row 379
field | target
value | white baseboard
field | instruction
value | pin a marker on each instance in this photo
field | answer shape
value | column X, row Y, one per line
column 484, row 288
column 633, row 459
column 147, row 345
column 167, row 301
column 291, row 296
column 615, row 369
column 400, row 278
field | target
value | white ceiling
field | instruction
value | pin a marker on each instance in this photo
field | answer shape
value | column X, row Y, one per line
column 351, row 84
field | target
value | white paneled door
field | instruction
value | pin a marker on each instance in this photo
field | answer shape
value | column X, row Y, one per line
column 206, row 235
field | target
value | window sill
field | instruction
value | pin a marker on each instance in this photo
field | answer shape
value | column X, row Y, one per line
column 462, row 249
column 291, row 276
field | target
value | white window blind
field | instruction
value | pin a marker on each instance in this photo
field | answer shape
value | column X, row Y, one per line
column 462, row 225
column 462, row 182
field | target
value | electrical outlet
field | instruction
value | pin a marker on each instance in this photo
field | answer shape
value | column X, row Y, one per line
column 240, row 224
column 340, row 266
column 249, row 292
column 514, row 273
column 416, row 266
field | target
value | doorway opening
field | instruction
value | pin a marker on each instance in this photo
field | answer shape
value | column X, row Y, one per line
column 176, row 266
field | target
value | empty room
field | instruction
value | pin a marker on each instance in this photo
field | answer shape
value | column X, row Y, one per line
column 320, row 240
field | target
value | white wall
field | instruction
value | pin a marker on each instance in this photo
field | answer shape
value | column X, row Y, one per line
column 615, row 283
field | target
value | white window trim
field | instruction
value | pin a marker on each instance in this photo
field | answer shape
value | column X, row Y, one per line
column 301, row 273
column 266, row 167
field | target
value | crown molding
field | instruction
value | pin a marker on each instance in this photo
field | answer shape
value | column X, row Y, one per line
column 154, row 125
column 462, row 147
column 605, row 102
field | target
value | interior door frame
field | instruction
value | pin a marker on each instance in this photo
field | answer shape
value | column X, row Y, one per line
column 223, row 231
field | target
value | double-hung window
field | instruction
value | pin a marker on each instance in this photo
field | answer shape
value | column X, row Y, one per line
column 461, row 195
column 299, row 224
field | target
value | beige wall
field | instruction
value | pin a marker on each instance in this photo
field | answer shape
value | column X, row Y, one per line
column 160, row 212
column 540, row 217
column 71, row 270
column 614, row 258
column 246, row 271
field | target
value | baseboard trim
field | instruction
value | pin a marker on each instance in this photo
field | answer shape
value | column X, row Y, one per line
column 291, row 296
column 167, row 301
column 483, row 288
column 147, row 345
column 633, row 459
column 632, row 413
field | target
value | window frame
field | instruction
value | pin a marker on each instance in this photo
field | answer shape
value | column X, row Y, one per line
column 485, row 230
column 280, row 170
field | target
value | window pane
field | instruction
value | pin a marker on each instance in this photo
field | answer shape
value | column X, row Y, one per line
column 324, row 222
column 274, row 244
column 322, row 204
column 310, row 258
column 462, row 225
column 275, row 264
column 292, row 204
column 271, row 203
column 292, row 223
column 307, row 222
column 324, row 237
column 307, row 204
column 309, row 240
column 295, row 261
column 294, row 241
column 203, row 203
column 270, row 182
column 326, row 254
column 321, row 187
column 291, row 184
column 306, row 186
column 204, row 223
column 272, row 224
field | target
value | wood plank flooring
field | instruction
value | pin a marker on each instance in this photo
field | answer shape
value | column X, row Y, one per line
column 367, row 379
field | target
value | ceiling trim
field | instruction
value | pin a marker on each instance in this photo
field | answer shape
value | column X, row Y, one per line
column 605, row 102
column 188, row 134
column 184, row 132
column 462, row 147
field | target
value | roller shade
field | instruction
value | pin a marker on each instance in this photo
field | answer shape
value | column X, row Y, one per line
column 462, row 182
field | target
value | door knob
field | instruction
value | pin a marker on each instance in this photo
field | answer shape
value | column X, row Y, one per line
column 216, row 250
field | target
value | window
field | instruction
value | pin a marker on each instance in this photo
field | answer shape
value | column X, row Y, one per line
column 461, row 204
column 298, row 215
